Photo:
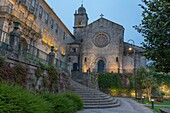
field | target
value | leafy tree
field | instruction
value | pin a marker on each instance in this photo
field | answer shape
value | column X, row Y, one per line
column 145, row 80
column 140, row 75
column 155, row 28
column 149, row 82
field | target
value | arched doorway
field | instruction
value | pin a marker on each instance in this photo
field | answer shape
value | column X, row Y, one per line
column 75, row 65
column 101, row 65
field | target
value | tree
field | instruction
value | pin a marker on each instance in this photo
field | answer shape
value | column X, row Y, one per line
column 155, row 28
column 149, row 82
column 145, row 80
column 140, row 75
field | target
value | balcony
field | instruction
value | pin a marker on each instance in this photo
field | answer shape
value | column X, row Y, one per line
column 21, row 19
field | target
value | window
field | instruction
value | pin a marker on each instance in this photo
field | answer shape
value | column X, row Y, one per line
column 46, row 18
column 80, row 21
column 74, row 50
column 33, row 3
column 64, row 36
column 21, row 15
column 56, row 28
column 85, row 59
column 40, row 11
column 52, row 22
column 10, row 5
column 69, row 59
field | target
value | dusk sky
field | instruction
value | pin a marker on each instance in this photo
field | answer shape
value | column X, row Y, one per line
column 124, row 12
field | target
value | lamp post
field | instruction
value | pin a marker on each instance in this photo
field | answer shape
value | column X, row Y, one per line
column 131, row 49
column 152, row 101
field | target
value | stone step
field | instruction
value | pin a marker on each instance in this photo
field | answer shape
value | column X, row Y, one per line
column 93, row 98
column 84, row 89
column 101, row 103
column 89, row 92
column 102, row 106
column 92, row 94
column 101, row 100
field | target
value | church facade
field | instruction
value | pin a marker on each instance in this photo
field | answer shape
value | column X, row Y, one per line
column 100, row 47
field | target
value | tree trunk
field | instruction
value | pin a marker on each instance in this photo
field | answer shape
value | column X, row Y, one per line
column 140, row 93
column 148, row 93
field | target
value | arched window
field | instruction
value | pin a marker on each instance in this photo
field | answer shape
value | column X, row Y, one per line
column 85, row 59
column 80, row 21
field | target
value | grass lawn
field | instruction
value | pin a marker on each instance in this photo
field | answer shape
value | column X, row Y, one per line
column 156, row 108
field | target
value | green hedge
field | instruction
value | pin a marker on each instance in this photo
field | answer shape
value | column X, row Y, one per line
column 108, row 81
column 76, row 100
column 14, row 99
column 64, row 103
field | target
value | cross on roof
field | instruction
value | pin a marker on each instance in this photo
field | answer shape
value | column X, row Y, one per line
column 101, row 15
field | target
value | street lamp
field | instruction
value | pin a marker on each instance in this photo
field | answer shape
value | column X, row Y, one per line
column 131, row 49
column 152, row 101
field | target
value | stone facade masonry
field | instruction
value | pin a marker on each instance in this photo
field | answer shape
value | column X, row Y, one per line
column 102, row 46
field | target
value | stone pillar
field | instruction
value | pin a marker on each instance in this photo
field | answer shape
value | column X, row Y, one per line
column 51, row 56
column 15, row 39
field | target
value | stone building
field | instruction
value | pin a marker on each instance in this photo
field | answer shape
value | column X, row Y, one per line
column 40, row 28
column 100, row 47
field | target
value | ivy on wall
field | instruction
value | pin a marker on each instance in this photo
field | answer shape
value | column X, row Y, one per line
column 16, row 74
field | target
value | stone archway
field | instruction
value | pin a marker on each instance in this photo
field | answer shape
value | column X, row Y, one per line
column 100, row 66
column 75, row 66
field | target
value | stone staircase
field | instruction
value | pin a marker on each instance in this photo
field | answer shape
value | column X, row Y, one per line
column 93, row 98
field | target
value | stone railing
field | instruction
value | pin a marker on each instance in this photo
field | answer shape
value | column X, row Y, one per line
column 90, row 80
column 31, row 53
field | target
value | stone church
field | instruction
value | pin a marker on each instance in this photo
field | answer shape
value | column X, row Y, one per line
column 100, row 47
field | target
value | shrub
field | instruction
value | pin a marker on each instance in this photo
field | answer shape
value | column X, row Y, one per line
column 120, row 92
column 16, row 74
column 60, row 103
column 14, row 99
column 76, row 100
column 53, row 74
column 2, row 61
column 21, row 72
column 108, row 80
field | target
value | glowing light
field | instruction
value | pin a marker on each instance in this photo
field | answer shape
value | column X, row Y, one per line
column 85, row 69
column 50, row 44
column 55, row 48
column 44, row 41
column 63, row 50
column 130, row 49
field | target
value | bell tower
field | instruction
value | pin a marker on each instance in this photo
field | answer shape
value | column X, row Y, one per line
column 80, row 21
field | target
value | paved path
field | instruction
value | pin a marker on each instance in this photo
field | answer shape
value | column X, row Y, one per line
column 127, row 106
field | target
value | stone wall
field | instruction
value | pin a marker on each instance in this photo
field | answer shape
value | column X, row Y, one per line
column 38, row 83
column 107, row 48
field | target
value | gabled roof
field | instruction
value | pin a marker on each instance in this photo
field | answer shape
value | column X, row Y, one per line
column 105, row 20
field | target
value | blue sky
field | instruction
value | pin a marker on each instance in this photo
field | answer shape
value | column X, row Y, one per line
column 124, row 12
